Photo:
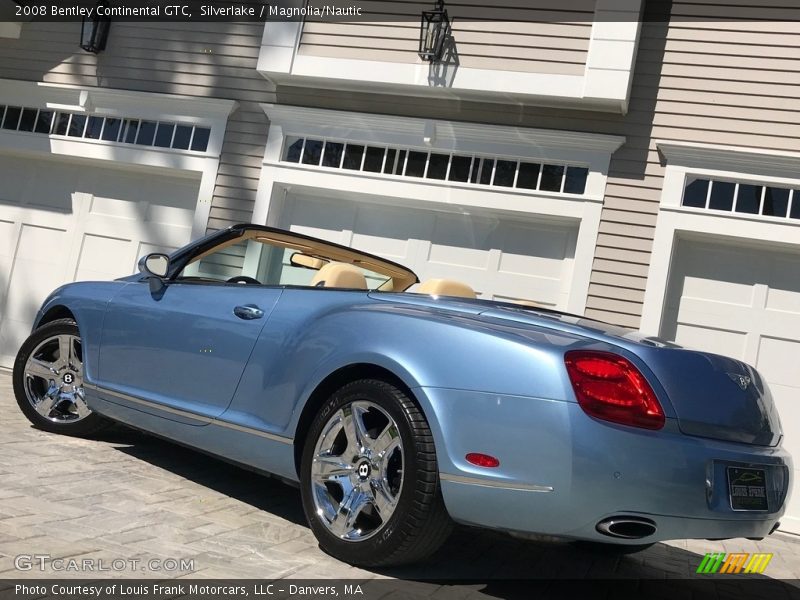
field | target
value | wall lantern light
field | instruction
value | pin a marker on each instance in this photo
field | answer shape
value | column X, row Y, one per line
column 94, row 30
column 433, row 31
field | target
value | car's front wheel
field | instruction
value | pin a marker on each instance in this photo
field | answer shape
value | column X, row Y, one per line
column 369, row 478
column 48, row 381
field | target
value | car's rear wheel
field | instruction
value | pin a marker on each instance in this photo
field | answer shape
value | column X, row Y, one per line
column 48, row 381
column 369, row 478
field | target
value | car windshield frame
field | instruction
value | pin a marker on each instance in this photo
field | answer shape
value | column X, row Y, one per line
column 398, row 277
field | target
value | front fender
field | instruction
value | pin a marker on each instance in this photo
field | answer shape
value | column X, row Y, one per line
column 87, row 302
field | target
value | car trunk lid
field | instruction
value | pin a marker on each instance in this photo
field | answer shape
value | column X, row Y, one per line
column 715, row 396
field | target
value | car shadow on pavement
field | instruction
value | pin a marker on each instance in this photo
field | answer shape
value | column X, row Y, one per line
column 492, row 564
column 256, row 489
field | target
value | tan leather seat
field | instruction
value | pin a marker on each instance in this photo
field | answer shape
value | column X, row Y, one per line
column 340, row 275
column 446, row 287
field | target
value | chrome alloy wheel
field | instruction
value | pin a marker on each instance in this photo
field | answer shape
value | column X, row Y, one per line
column 54, row 379
column 357, row 471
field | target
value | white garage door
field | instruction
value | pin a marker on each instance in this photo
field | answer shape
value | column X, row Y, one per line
column 744, row 302
column 501, row 259
column 62, row 222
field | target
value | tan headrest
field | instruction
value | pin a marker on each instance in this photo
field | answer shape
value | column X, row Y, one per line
column 340, row 275
column 446, row 287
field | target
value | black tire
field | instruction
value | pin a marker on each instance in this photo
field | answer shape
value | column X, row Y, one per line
column 86, row 426
column 420, row 523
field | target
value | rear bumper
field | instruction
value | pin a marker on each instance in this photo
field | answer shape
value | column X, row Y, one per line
column 561, row 472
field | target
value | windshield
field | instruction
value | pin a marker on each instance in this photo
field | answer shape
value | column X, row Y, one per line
column 278, row 260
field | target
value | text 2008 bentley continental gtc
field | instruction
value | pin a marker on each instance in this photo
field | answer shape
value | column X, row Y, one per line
column 399, row 413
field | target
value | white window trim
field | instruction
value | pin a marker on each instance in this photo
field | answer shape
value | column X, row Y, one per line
column 605, row 84
column 687, row 159
column 593, row 150
column 208, row 112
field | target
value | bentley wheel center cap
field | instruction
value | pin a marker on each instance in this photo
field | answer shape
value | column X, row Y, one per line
column 363, row 470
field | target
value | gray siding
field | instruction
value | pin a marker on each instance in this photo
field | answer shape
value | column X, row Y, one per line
column 196, row 59
column 516, row 36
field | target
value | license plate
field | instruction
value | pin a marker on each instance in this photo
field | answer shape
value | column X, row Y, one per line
column 747, row 488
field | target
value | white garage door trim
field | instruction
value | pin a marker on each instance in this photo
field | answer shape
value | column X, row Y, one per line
column 679, row 224
column 686, row 159
column 105, row 102
column 564, row 147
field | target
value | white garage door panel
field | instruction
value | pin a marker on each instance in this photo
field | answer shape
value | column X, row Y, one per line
column 501, row 258
column 62, row 222
column 744, row 302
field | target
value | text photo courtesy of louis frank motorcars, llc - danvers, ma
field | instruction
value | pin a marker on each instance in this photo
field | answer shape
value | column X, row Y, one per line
column 399, row 299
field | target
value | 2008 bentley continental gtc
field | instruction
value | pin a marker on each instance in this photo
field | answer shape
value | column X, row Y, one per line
column 400, row 412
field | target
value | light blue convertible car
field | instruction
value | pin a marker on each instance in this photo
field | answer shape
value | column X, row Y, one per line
column 401, row 412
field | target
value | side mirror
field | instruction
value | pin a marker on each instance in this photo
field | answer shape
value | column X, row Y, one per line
column 155, row 265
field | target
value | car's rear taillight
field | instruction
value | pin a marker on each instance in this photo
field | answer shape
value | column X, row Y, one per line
column 611, row 388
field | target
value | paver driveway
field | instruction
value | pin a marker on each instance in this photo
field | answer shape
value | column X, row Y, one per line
column 130, row 496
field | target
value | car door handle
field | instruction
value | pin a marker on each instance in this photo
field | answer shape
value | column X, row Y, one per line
column 248, row 312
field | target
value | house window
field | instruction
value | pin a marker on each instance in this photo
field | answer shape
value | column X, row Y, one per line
column 162, row 134
column 745, row 198
column 422, row 164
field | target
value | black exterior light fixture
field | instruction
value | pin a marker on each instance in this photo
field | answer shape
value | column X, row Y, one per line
column 94, row 30
column 433, row 31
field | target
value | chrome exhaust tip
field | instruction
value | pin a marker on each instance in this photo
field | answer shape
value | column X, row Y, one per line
column 628, row 528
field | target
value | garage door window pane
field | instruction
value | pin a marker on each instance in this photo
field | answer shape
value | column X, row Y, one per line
column 504, row 173
column 401, row 162
column 776, row 202
column 437, row 166
column 696, row 193
column 129, row 131
column 43, row 121
column 353, row 156
column 313, row 152
column 373, row 161
column 62, row 122
column 575, row 183
column 164, row 135
column 795, row 212
column 11, row 120
column 476, row 167
column 77, row 126
column 459, row 168
column 486, row 171
column 111, row 130
column 147, row 133
column 528, row 177
column 94, row 128
column 183, row 135
column 28, row 119
column 332, row 157
column 551, row 178
column 391, row 158
column 721, row 195
column 200, row 139
column 415, row 167
column 748, row 200
column 294, row 147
